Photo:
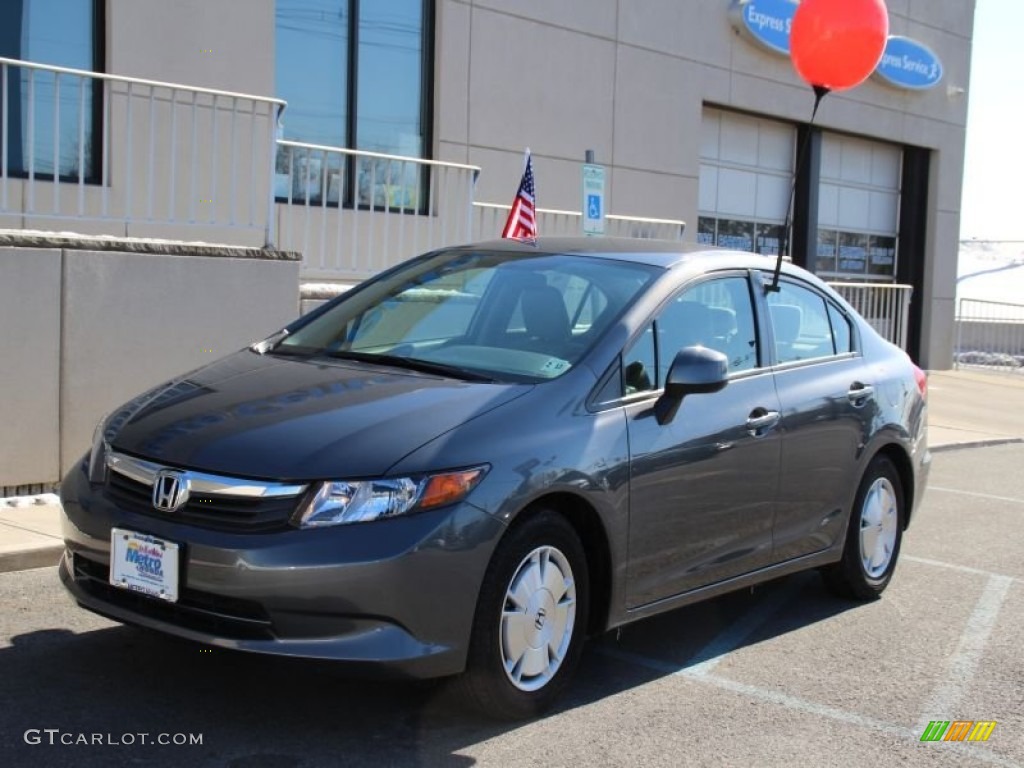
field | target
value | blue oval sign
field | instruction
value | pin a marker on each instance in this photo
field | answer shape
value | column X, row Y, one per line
column 767, row 22
column 907, row 63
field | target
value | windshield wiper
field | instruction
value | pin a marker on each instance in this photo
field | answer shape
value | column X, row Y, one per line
column 292, row 350
column 411, row 363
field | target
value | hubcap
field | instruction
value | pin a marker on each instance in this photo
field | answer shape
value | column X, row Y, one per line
column 878, row 528
column 537, row 619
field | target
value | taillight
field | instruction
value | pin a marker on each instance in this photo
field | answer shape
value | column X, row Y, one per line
column 922, row 382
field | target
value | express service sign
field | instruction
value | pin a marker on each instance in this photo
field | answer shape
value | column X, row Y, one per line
column 766, row 22
column 906, row 63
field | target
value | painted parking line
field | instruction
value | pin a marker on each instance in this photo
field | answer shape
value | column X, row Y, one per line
column 989, row 496
column 806, row 707
column 954, row 567
column 965, row 659
column 736, row 634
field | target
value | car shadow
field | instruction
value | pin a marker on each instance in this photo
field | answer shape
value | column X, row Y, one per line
column 267, row 712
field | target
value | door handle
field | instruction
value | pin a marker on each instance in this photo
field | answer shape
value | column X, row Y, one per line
column 859, row 393
column 761, row 420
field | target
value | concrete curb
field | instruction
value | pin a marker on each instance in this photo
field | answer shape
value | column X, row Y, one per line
column 976, row 444
column 35, row 557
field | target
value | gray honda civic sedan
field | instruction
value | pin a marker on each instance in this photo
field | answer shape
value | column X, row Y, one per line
column 469, row 463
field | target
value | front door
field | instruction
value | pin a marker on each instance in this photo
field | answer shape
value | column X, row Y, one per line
column 702, row 487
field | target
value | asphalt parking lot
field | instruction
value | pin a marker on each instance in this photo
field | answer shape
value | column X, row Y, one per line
column 784, row 675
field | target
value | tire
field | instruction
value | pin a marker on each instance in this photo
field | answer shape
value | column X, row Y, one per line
column 521, row 659
column 873, row 535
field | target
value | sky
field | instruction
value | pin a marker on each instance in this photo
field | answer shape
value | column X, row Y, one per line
column 993, row 191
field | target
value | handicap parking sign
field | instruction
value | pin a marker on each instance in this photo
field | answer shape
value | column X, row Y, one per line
column 593, row 199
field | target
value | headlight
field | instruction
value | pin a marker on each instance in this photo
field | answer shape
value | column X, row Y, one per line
column 98, row 454
column 358, row 501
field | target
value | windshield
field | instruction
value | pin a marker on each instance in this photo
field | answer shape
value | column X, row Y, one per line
column 483, row 315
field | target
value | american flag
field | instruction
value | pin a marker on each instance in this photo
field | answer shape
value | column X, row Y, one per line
column 522, row 219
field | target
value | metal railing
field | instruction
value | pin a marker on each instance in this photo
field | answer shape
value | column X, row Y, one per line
column 353, row 213
column 489, row 220
column 989, row 334
column 126, row 150
column 885, row 306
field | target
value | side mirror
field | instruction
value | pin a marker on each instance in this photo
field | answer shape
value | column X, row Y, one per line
column 695, row 370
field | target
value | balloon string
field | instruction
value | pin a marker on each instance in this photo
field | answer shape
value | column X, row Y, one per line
column 820, row 92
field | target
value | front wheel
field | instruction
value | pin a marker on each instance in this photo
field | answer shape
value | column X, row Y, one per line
column 530, row 622
column 873, row 536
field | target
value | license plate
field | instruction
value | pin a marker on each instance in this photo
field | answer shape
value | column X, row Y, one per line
column 144, row 564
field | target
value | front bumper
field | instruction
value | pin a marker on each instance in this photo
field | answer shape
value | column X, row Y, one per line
column 388, row 597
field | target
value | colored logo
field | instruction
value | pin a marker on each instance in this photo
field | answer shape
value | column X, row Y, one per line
column 958, row 730
column 766, row 22
column 148, row 559
column 907, row 63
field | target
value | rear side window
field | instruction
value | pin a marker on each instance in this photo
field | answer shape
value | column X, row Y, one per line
column 841, row 330
column 805, row 325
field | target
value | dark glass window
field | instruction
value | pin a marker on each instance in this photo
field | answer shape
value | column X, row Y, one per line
column 882, row 256
column 769, row 238
column 51, row 118
column 354, row 74
column 826, row 261
column 639, row 370
column 801, row 324
column 717, row 314
column 738, row 235
column 853, row 253
column 706, row 230
column 841, row 333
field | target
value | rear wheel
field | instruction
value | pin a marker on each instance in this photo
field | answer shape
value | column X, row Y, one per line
column 873, row 536
column 530, row 622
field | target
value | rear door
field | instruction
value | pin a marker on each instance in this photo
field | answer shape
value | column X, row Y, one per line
column 702, row 487
column 827, row 399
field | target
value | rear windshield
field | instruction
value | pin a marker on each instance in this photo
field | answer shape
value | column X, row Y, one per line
column 500, row 316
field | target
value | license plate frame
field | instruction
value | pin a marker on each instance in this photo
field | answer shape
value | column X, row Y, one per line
column 144, row 564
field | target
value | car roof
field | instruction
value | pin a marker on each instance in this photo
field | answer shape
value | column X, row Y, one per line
column 657, row 253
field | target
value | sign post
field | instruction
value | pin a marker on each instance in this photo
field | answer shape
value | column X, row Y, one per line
column 593, row 199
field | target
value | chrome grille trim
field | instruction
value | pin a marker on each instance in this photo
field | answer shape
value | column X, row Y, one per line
column 201, row 482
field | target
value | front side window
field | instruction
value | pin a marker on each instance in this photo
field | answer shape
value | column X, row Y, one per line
column 51, row 118
column 478, row 314
column 354, row 75
column 805, row 325
column 717, row 313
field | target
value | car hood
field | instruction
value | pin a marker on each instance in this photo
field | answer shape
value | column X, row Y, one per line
column 270, row 417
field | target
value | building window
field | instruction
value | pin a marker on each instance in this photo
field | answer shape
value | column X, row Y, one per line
column 356, row 75
column 746, row 177
column 858, row 209
column 52, row 120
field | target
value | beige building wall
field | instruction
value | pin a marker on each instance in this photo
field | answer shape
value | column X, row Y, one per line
column 630, row 79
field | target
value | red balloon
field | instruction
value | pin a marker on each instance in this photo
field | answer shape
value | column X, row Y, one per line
column 836, row 44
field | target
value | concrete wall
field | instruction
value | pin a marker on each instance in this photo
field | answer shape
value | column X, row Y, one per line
column 29, row 358
column 91, row 329
column 630, row 80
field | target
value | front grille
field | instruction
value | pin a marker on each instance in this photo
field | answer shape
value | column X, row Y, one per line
column 199, row 611
column 222, row 513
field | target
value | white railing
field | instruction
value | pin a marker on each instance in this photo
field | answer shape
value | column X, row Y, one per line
column 353, row 213
column 989, row 334
column 489, row 220
column 886, row 306
column 86, row 145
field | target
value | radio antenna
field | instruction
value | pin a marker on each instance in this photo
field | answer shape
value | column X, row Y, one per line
column 820, row 92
